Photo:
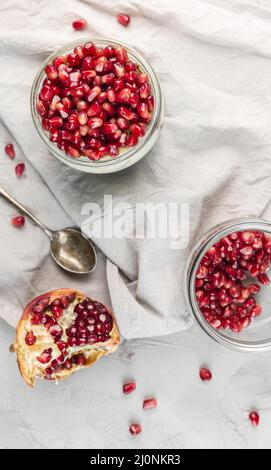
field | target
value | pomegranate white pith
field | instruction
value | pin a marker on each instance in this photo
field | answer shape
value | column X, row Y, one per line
column 61, row 332
column 225, row 286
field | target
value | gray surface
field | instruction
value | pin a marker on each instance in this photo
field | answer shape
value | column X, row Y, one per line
column 89, row 410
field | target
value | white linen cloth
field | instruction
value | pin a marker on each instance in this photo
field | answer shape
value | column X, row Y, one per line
column 213, row 59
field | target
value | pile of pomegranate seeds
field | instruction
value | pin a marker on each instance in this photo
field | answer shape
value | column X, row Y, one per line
column 135, row 429
column 95, row 101
column 205, row 374
column 9, row 149
column 225, row 290
column 254, row 418
column 79, row 24
column 123, row 19
column 18, row 221
column 92, row 323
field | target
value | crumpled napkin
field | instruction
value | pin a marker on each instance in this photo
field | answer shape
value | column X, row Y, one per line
column 213, row 60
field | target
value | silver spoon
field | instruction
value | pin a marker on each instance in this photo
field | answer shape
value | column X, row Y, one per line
column 70, row 249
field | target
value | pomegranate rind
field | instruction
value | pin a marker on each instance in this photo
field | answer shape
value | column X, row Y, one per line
column 27, row 365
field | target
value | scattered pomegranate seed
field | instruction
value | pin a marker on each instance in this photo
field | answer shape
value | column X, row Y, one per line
column 95, row 101
column 30, row 338
column 79, row 24
column 254, row 418
column 18, row 221
column 149, row 403
column 129, row 387
column 19, row 169
column 135, row 429
column 205, row 374
column 124, row 19
column 9, row 149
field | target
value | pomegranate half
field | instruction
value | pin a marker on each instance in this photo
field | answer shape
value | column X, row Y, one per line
column 61, row 332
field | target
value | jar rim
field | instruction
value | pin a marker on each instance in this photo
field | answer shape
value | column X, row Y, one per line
column 145, row 141
column 198, row 250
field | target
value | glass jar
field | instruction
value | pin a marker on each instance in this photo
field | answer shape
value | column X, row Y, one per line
column 257, row 336
column 128, row 156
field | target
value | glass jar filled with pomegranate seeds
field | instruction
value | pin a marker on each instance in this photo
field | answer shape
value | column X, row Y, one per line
column 227, row 284
column 97, row 105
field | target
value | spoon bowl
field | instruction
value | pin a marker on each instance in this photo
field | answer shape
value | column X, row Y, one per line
column 72, row 251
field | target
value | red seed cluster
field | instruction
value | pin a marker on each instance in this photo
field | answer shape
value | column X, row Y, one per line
column 95, row 101
column 92, row 324
column 225, row 290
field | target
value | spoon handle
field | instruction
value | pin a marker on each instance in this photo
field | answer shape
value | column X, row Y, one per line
column 23, row 209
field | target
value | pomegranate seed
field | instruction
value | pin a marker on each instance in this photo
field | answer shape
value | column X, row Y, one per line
column 129, row 387
column 119, row 71
column 125, row 112
column 95, row 122
column 254, row 418
column 82, row 118
column 55, row 331
column 93, row 94
column 108, row 79
column 263, row 279
column 19, row 169
column 62, row 346
column 135, row 429
column 132, row 141
column 9, row 149
column 143, row 111
column 205, row 374
column 149, row 404
column 142, row 78
column 59, row 61
column 71, row 297
column 41, row 108
column 68, row 364
column 72, row 122
column 51, row 72
column 121, row 55
column 79, row 24
column 123, row 19
column 18, row 221
column 73, row 59
column 150, row 103
column 256, row 311
column 73, row 152
column 123, row 124
column 94, row 109
column 57, row 311
column 79, row 360
column 124, row 95
column 79, row 50
column 55, row 122
column 45, row 356
column 30, row 338
column 47, row 93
